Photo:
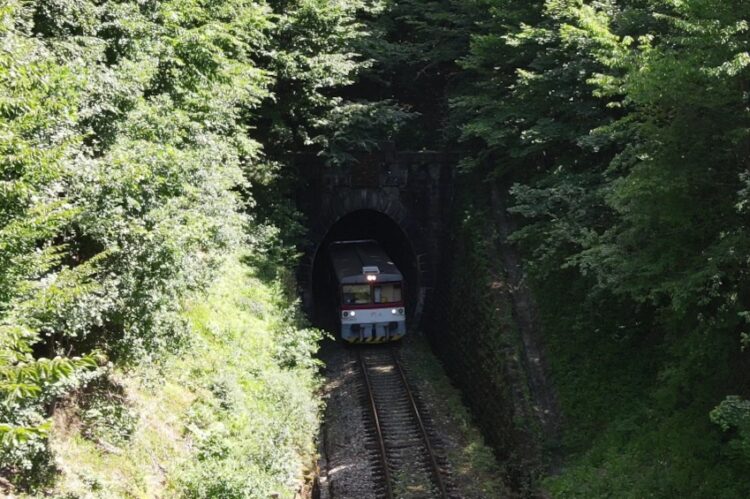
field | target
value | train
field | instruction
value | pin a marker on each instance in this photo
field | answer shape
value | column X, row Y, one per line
column 369, row 301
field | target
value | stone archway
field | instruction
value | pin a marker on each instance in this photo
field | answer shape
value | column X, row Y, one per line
column 370, row 213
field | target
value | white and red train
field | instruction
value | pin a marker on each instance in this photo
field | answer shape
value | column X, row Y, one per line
column 370, row 299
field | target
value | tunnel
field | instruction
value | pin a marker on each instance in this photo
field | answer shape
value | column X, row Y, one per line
column 359, row 225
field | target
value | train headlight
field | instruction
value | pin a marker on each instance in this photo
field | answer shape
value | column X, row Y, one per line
column 397, row 311
column 401, row 311
column 348, row 313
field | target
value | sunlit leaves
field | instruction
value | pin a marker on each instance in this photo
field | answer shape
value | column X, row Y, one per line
column 130, row 142
column 625, row 127
column 122, row 144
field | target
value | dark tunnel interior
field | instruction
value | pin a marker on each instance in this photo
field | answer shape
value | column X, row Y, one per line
column 362, row 224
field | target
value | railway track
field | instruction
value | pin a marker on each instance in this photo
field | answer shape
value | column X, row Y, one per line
column 399, row 438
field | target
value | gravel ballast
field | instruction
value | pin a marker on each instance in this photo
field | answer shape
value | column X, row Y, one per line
column 349, row 470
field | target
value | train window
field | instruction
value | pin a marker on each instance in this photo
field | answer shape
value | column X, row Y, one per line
column 356, row 294
column 387, row 292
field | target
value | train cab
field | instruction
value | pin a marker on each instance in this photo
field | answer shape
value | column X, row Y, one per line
column 370, row 293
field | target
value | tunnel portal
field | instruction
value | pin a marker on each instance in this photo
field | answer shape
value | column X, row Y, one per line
column 399, row 199
column 360, row 225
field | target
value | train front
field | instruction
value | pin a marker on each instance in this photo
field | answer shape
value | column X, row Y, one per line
column 370, row 299
column 372, row 311
column 372, row 306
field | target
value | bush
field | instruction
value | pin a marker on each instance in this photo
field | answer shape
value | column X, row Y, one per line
column 222, row 418
column 255, row 370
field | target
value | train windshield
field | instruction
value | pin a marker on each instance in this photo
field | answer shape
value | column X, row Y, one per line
column 356, row 294
column 387, row 293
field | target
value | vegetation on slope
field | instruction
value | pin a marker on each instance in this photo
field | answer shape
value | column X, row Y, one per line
column 233, row 415
column 625, row 129
column 622, row 127
column 132, row 139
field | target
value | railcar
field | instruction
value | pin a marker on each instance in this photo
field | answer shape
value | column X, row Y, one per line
column 369, row 300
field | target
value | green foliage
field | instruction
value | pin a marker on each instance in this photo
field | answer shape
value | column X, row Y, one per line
column 106, row 417
column 311, row 55
column 255, row 417
column 38, row 100
column 412, row 53
column 132, row 137
column 359, row 127
column 734, row 413
column 141, row 142
column 27, row 385
column 228, row 416
column 623, row 128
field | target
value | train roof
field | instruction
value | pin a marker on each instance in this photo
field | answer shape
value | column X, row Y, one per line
column 353, row 260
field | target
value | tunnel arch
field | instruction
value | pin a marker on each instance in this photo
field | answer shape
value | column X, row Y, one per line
column 369, row 217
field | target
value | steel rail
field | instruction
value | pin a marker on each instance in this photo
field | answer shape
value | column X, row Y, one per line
column 425, row 437
column 376, row 419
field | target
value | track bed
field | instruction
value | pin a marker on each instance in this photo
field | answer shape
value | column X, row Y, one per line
column 395, row 427
column 398, row 438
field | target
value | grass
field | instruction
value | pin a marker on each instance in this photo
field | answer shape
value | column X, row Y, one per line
column 142, row 465
column 233, row 416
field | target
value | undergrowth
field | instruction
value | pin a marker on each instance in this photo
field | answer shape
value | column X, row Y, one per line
column 630, row 432
column 233, row 416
